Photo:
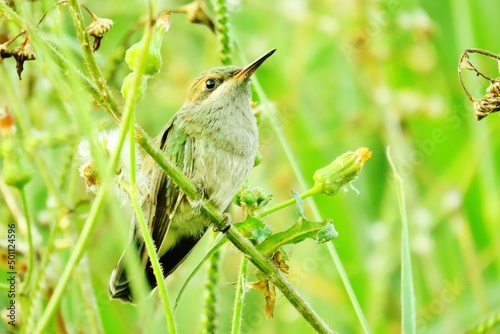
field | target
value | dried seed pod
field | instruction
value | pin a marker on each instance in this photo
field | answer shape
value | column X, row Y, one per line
column 4, row 53
column 23, row 53
column 196, row 13
column 494, row 87
column 488, row 104
column 98, row 28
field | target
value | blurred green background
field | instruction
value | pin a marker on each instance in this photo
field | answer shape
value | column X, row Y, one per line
column 346, row 74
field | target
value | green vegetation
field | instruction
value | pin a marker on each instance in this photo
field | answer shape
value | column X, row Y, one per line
column 411, row 246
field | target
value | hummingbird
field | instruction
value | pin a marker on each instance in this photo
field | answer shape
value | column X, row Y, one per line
column 214, row 139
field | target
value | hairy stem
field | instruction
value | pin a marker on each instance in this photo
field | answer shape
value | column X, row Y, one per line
column 239, row 297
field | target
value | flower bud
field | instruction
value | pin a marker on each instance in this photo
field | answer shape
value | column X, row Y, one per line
column 127, row 85
column 330, row 179
column 153, row 61
column 16, row 170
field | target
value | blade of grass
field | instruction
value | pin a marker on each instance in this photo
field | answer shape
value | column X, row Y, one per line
column 407, row 292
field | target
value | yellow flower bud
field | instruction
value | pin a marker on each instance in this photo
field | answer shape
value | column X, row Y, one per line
column 330, row 179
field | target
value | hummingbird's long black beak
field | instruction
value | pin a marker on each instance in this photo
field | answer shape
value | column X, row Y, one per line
column 249, row 69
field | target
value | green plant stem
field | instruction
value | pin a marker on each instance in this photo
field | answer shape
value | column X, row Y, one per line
column 408, row 315
column 81, row 244
column 89, row 301
column 4, row 286
column 308, row 193
column 270, row 112
column 243, row 244
column 148, row 240
column 239, row 297
column 35, row 297
column 88, row 56
column 82, row 241
column 210, row 310
column 29, row 238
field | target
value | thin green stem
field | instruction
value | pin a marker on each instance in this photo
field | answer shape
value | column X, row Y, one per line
column 239, row 297
column 29, row 238
column 408, row 321
column 129, row 117
column 308, row 193
column 154, row 262
column 81, row 244
column 4, row 286
column 88, row 56
column 89, row 300
column 35, row 298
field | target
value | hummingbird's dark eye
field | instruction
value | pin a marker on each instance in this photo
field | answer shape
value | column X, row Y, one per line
column 210, row 84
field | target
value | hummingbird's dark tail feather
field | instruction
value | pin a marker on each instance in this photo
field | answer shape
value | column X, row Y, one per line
column 172, row 258
column 119, row 284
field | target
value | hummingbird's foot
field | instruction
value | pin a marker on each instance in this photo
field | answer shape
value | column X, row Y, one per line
column 226, row 223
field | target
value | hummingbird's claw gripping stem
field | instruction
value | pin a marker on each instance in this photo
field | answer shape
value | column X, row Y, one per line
column 226, row 223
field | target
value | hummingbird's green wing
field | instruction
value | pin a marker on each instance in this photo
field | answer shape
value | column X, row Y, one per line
column 163, row 206
column 177, row 147
column 160, row 204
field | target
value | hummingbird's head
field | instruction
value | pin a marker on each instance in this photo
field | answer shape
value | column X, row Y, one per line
column 224, row 83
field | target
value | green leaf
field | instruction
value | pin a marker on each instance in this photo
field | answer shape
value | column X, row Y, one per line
column 301, row 230
column 327, row 233
column 254, row 229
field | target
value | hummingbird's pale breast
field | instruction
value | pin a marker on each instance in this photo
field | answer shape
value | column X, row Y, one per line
column 225, row 143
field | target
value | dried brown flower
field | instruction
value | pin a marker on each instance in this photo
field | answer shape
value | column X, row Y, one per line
column 98, row 28
column 23, row 53
column 196, row 13
column 488, row 104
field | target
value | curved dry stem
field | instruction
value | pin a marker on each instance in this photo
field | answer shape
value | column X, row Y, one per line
column 62, row 2
column 92, row 15
column 464, row 59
